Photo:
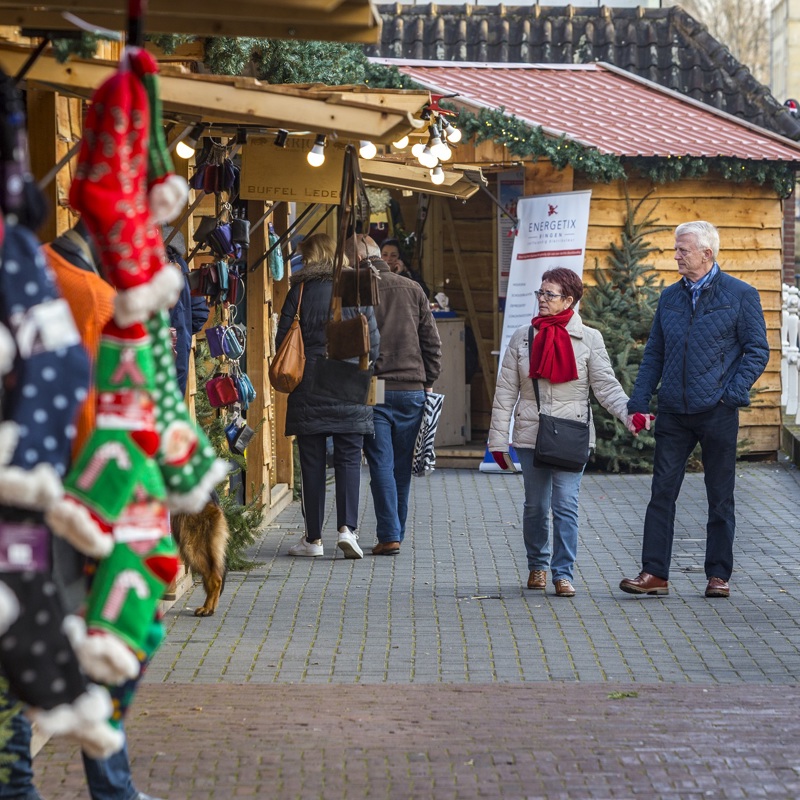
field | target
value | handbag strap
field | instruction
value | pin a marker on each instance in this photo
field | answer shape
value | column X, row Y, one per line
column 535, row 382
column 299, row 301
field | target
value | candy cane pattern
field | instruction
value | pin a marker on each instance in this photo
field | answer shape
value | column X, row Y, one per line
column 128, row 367
column 126, row 580
column 110, row 451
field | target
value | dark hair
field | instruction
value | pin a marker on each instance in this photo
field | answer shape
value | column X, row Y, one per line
column 569, row 281
column 392, row 243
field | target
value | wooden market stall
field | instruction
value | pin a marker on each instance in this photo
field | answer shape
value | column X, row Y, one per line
column 233, row 109
column 629, row 118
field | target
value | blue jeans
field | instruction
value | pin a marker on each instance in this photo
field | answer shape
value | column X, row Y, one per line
column 107, row 779
column 110, row 778
column 676, row 436
column 549, row 490
column 20, row 772
column 390, row 453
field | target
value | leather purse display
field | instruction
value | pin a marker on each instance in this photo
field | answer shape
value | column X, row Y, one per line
column 348, row 338
column 221, row 391
column 289, row 363
column 358, row 287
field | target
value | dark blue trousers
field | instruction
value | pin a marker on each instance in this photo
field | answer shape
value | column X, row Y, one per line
column 676, row 436
column 347, row 476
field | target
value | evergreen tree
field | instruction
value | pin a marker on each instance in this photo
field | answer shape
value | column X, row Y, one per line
column 622, row 306
column 244, row 521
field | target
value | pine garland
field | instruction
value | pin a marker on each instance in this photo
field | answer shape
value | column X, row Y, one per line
column 523, row 140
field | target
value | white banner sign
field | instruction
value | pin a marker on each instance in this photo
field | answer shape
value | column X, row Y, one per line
column 552, row 233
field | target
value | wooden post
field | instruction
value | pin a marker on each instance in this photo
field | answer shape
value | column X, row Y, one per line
column 57, row 122
column 284, row 461
column 483, row 353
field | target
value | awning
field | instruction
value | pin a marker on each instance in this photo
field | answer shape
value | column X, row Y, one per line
column 350, row 112
column 460, row 181
column 325, row 20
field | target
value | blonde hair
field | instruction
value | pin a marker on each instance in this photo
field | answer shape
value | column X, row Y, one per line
column 319, row 248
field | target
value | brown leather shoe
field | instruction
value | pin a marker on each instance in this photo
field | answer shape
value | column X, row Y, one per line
column 564, row 588
column 718, row 588
column 386, row 549
column 645, row 583
column 537, row 579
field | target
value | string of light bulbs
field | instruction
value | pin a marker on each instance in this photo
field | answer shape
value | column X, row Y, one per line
column 436, row 150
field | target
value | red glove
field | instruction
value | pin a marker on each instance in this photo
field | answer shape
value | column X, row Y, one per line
column 500, row 459
column 641, row 421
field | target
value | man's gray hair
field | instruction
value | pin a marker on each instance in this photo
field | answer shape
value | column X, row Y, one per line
column 373, row 251
column 705, row 233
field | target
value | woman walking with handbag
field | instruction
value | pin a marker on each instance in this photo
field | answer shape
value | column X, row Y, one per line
column 312, row 417
column 548, row 385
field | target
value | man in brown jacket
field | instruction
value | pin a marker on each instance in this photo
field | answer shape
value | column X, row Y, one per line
column 409, row 362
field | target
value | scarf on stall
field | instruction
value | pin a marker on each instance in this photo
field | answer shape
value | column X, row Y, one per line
column 552, row 356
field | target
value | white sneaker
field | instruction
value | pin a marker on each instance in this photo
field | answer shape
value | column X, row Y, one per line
column 306, row 548
column 348, row 543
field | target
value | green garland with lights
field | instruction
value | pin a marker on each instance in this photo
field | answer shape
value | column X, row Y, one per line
column 522, row 139
column 278, row 61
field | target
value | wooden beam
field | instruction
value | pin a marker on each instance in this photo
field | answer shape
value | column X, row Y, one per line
column 351, row 22
column 483, row 354
column 242, row 101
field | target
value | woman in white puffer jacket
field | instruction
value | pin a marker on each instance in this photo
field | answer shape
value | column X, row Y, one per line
column 567, row 359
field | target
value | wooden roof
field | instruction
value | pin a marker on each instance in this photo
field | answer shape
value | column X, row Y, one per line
column 350, row 112
column 328, row 20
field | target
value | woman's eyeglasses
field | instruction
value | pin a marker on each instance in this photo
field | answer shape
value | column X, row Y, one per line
column 549, row 295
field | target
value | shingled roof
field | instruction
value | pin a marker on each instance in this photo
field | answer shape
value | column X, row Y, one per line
column 664, row 45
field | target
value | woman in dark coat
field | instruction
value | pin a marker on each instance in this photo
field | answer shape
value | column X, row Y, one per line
column 312, row 418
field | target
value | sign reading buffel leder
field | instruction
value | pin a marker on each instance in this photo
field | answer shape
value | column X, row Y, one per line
column 283, row 173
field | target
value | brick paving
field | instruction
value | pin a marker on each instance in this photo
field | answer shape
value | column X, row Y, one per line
column 435, row 674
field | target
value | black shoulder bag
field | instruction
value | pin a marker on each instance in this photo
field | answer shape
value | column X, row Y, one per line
column 560, row 443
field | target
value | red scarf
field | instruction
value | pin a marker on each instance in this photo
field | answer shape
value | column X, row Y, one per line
column 552, row 356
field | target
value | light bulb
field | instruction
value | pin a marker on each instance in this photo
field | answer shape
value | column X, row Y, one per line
column 367, row 149
column 417, row 149
column 437, row 146
column 427, row 158
column 445, row 153
column 437, row 174
column 401, row 144
column 452, row 133
column 316, row 156
column 184, row 151
column 186, row 146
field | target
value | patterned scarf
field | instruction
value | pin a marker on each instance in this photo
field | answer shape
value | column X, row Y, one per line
column 698, row 286
column 552, row 356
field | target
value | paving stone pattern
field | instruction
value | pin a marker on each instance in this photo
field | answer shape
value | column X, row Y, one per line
column 436, row 674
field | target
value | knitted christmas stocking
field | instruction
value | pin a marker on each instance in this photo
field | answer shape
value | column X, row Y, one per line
column 187, row 459
column 110, row 192
column 167, row 193
column 115, row 487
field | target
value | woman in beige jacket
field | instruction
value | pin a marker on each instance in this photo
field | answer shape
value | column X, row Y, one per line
column 567, row 359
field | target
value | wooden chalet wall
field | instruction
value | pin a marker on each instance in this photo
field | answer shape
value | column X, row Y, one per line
column 749, row 218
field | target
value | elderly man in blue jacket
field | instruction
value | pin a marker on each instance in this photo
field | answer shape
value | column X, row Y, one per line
column 707, row 347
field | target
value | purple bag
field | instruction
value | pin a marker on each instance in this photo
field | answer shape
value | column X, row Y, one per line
column 216, row 340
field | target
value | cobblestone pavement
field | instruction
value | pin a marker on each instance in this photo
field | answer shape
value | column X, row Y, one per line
column 435, row 674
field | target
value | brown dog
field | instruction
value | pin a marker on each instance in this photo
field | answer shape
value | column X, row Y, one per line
column 202, row 540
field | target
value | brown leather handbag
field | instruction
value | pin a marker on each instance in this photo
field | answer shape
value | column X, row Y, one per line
column 289, row 363
column 347, row 338
column 358, row 287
